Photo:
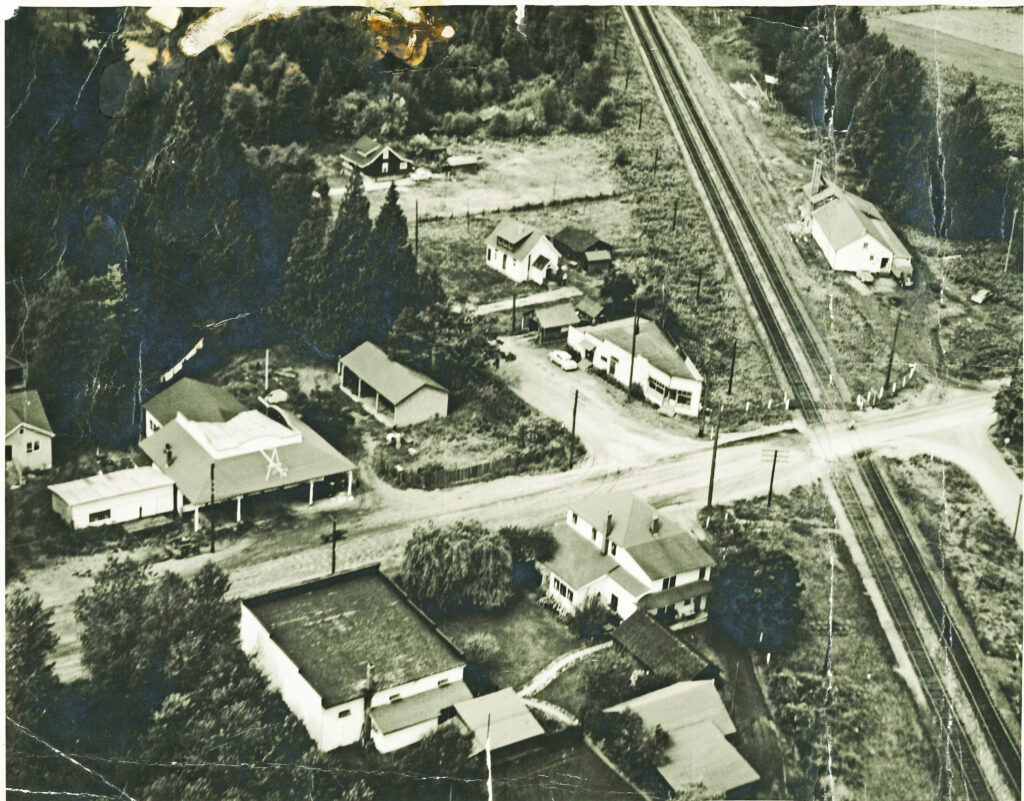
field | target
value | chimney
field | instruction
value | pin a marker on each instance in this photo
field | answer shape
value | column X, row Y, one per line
column 654, row 523
column 607, row 533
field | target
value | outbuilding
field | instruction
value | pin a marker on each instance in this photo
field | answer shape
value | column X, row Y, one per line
column 499, row 721
column 584, row 248
column 28, row 444
column 354, row 659
column 376, row 160
column 552, row 322
column 117, row 497
column 397, row 395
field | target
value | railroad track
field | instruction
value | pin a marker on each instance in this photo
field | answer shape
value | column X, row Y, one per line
column 722, row 193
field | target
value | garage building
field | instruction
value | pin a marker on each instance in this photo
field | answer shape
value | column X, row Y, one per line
column 397, row 395
column 116, row 497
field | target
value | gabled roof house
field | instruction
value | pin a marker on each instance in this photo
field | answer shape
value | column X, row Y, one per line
column 669, row 379
column 698, row 726
column 522, row 253
column 618, row 546
column 27, row 444
column 354, row 658
column 376, row 160
column 195, row 399
column 400, row 396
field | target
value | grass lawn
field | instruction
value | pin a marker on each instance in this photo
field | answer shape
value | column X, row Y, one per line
column 978, row 552
column 567, row 690
column 570, row 773
column 876, row 734
column 529, row 635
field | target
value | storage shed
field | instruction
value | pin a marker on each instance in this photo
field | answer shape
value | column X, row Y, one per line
column 397, row 395
column 107, row 498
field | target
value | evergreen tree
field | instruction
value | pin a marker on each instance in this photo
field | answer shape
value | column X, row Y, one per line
column 345, row 310
column 393, row 281
column 303, row 272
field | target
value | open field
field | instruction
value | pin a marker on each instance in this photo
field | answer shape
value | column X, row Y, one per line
column 986, row 41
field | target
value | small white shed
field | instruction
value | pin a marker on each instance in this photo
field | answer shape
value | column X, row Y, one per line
column 107, row 498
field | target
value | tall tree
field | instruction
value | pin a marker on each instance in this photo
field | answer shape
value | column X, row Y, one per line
column 391, row 280
column 345, row 312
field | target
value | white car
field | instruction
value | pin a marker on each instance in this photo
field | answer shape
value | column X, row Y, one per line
column 563, row 360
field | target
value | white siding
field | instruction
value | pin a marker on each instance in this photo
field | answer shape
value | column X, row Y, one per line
column 132, row 506
column 30, row 448
column 522, row 270
column 423, row 404
column 387, row 743
column 864, row 255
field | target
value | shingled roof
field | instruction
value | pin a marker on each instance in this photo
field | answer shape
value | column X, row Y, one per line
column 658, row 649
column 25, row 408
column 392, row 380
column 519, row 236
column 846, row 218
column 578, row 240
column 196, row 400
column 651, row 344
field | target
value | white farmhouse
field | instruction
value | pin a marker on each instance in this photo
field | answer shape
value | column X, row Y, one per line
column 115, row 497
column 29, row 434
column 354, row 659
column 854, row 237
column 522, row 253
column 617, row 546
column 669, row 380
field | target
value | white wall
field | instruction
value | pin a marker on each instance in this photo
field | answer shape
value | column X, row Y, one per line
column 133, row 506
column 383, row 696
column 522, row 270
column 864, row 255
column 423, row 404
column 506, row 264
column 387, row 743
column 151, row 425
column 39, row 458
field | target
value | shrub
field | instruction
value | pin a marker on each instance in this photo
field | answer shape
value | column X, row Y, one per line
column 629, row 744
column 621, row 157
column 577, row 121
column 590, row 618
column 607, row 112
column 460, row 123
column 481, row 649
column 500, row 127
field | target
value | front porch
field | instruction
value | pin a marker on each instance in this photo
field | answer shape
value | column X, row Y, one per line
column 371, row 401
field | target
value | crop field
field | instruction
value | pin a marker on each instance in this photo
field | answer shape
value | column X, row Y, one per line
column 986, row 41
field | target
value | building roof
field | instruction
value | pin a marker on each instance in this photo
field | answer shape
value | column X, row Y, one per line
column 657, row 648
column 577, row 561
column 365, row 151
column 333, row 627
column 418, row 708
column 243, row 470
column 693, row 715
column 107, row 486
column 598, row 255
column 392, row 380
column 196, row 400
column 651, row 344
column 520, row 236
column 589, row 307
column 26, row 408
column 462, row 161
column 560, row 315
column 846, row 218
column 579, row 240
column 666, row 551
column 502, row 715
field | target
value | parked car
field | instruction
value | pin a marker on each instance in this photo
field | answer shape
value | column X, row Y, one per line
column 563, row 360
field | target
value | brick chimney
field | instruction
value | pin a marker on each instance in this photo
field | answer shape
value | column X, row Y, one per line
column 607, row 532
column 654, row 523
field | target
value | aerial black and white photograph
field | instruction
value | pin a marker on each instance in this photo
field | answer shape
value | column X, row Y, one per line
column 513, row 402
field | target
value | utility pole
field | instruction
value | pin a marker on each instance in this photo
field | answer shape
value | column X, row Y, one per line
column 700, row 279
column 629, row 71
column 675, row 210
column 335, row 536
column 513, row 311
column 632, row 350
column 417, row 251
column 714, row 457
column 892, row 350
column 1009, row 245
column 640, row 122
column 732, row 367
column 657, row 152
column 213, row 526
column 1016, row 520
column 266, row 371
column 771, row 481
column 572, row 436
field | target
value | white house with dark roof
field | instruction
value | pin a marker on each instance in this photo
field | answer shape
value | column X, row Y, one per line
column 853, row 235
column 376, row 160
column 28, row 443
column 193, row 399
column 354, row 658
column 522, row 253
column 619, row 547
column 400, row 396
column 669, row 379
column 699, row 751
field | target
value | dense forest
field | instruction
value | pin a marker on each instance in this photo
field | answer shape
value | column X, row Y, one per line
column 933, row 161
column 146, row 211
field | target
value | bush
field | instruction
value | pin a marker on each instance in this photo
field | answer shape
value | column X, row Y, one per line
column 577, row 121
column 590, row 618
column 460, row 123
column 621, row 157
column 607, row 112
column 500, row 127
column 637, row 750
column 481, row 649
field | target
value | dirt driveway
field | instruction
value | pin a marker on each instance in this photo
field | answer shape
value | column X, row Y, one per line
column 616, row 434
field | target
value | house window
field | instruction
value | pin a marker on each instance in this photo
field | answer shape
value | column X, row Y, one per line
column 593, row 533
column 668, row 583
column 97, row 516
column 344, row 713
column 614, row 548
column 384, row 166
column 575, row 517
column 703, row 572
column 684, row 397
column 395, row 697
column 442, row 682
column 562, row 589
column 8, row 453
column 613, row 602
column 865, row 244
column 657, row 386
column 697, row 604
column 404, row 166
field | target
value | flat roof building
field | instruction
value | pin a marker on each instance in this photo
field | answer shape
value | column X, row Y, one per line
column 341, row 649
column 501, row 717
column 116, row 497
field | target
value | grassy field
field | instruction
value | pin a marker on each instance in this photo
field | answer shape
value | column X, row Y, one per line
column 529, row 636
column 877, row 734
column 985, row 41
column 980, row 558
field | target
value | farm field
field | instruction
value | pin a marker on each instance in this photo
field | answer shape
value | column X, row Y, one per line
column 986, row 41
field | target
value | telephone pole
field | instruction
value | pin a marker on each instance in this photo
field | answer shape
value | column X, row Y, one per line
column 1009, row 245
column 714, row 457
column 334, row 537
column 675, row 210
column 892, row 350
column 632, row 350
column 513, row 311
column 572, row 436
column 732, row 367
column 417, row 251
column 213, row 525
column 771, row 481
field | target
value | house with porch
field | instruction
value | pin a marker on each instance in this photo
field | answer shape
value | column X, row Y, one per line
column 522, row 253
column 669, row 379
column 375, row 160
column 29, row 441
column 354, row 659
column 395, row 394
column 618, row 547
column 250, row 454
